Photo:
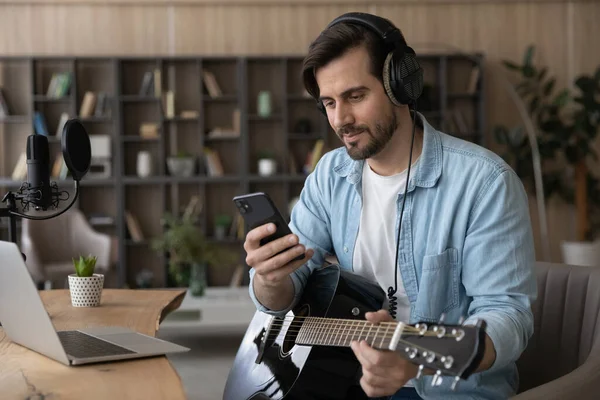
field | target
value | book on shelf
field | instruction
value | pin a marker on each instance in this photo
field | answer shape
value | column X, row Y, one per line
column 4, row 110
column 170, row 104
column 149, row 130
column 157, row 83
column 147, row 86
column 60, row 84
column 87, row 105
column 211, row 84
column 39, row 124
column 20, row 171
column 473, row 80
column 133, row 227
column 64, row 117
column 214, row 166
column 313, row 156
column 102, row 108
column 228, row 132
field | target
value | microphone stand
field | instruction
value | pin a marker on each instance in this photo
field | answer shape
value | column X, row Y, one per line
column 11, row 206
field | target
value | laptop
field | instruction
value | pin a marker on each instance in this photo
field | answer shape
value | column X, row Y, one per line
column 27, row 323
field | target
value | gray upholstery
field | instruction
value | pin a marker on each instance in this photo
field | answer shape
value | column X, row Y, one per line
column 562, row 360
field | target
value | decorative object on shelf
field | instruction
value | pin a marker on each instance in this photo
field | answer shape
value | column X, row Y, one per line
column 267, row 165
column 264, row 106
column 567, row 125
column 182, row 165
column 188, row 249
column 85, row 286
column 222, row 225
column 100, row 166
column 143, row 279
column 144, row 164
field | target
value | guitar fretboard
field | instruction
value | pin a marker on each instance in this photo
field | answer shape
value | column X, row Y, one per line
column 340, row 332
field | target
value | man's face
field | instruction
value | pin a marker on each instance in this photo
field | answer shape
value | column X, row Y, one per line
column 357, row 107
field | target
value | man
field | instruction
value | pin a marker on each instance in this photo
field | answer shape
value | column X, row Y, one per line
column 465, row 245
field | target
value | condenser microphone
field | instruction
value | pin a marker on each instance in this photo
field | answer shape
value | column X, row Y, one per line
column 38, row 172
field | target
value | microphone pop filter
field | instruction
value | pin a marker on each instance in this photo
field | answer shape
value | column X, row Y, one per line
column 76, row 149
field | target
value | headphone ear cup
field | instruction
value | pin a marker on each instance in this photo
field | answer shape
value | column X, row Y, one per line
column 402, row 77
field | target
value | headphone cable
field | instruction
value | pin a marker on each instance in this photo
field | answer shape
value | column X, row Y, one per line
column 392, row 299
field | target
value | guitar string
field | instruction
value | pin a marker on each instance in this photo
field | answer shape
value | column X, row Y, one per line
column 402, row 341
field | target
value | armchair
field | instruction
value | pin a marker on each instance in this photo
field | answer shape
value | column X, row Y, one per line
column 50, row 245
column 562, row 359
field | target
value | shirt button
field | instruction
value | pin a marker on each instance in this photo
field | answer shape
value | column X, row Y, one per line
column 345, row 249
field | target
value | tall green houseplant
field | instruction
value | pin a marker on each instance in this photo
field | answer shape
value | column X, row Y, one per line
column 567, row 123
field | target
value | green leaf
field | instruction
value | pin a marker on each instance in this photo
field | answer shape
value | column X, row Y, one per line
column 529, row 71
column 542, row 74
column 561, row 98
column 511, row 65
column 533, row 105
column 549, row 86
column 85, row 266
column 528, row 57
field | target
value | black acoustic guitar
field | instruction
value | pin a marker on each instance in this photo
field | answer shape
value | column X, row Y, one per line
column 306, row 354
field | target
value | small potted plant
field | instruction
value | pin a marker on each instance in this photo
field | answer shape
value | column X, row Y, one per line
column 183, row 164
column 85, row 286
column 190, row 253
column 267, row 165
column 222, row 224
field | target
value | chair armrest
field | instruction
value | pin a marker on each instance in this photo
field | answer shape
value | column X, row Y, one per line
column 32, row 261
column 88, row 241
column 582, row 383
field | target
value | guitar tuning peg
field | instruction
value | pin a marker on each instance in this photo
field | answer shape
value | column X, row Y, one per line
column 455, row 383
column 419, row 372
column 442, row 318
column 437, row 378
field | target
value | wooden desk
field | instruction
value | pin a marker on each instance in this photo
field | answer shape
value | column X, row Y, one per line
column 25, row 374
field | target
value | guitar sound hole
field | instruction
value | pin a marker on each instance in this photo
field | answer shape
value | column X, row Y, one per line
column 293, row 329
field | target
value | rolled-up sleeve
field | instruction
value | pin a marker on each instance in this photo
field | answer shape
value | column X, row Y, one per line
column 498, row 266
column 310, row 221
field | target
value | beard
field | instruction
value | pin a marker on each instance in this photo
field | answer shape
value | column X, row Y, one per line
column 383, row 132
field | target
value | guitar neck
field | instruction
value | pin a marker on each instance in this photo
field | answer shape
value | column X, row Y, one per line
column 341, row 332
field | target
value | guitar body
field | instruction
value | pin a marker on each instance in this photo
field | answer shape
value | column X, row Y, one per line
column 278, row 368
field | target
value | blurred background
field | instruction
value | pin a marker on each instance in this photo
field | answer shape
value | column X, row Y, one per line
column 191, row 102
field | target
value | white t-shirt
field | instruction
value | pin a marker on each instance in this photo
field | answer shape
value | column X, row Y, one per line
column 375, row 250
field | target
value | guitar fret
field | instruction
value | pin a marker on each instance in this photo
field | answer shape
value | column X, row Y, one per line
column 375, row 336
column 384, row 336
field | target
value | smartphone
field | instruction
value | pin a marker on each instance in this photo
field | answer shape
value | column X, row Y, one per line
column 258, row 209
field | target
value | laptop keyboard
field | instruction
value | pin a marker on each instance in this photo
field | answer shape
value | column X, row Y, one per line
column 81, row 345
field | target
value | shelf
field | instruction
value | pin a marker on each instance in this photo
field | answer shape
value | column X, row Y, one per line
column 240, row 78
column 138, row 138
column 16, row 119
column 277, row 178
column 46, row 99
column 138, row 99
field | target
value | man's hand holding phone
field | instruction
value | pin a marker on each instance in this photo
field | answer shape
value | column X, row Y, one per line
column 273, row 263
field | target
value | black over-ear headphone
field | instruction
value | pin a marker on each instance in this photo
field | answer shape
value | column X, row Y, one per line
column 402, row 75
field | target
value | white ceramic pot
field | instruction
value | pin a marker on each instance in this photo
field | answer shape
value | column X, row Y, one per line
column 179, row 166
column 86, row 291
column 144, row 164
column 267, row 167
column 581, row 253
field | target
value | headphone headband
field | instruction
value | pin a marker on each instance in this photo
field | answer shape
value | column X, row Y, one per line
column 402, row 75
column 383, row 27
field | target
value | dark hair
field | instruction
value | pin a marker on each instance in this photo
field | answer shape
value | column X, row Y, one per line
column 333, row 43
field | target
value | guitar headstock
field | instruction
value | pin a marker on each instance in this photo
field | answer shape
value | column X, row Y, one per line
column 449, row 350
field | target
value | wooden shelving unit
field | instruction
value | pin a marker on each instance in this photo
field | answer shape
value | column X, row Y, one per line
column 25, row 81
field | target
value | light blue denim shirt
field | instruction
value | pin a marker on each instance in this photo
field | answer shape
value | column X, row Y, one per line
column 466, row 247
